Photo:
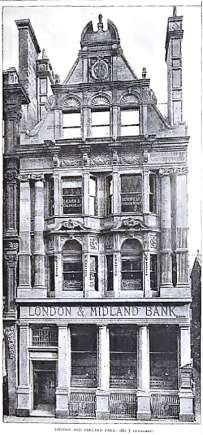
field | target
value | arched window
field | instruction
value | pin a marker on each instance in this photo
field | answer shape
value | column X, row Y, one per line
column 131, row 265
column 72, row 266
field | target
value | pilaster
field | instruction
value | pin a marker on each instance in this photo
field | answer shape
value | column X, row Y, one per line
column 24, row 236
column 185, row 392
column 181, row 228
column 166, row 251
column 39, row 253
column 64, row 371
column 102, row 394
column 143, row 392
column 24, row 388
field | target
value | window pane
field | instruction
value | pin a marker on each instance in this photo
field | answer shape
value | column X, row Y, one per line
column 43, row 86
column 100, row 118
column 92, row 205
column 109, row 262
column 71, row 119
column 130, row 131
column 72, row 182
column 129, row 117
column 70, row 133
column 92, row 186
column 131, row 183
column 100, row 131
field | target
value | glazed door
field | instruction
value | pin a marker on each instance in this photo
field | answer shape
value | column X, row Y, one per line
column 44, row 387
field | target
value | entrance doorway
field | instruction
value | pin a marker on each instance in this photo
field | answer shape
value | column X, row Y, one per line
column 44, row 380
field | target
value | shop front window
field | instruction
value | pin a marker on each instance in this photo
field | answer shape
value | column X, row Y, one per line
column 163, row 357
column 131, row 265
column 72, row 195
column 131, row 193
column 84, row 356
column 72, row 266
column 123, row 357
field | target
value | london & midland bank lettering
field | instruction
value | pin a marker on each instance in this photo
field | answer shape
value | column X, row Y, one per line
column 102, row 311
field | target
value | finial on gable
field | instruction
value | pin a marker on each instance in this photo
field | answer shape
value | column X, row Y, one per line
column 100, row 23
column 174, row 11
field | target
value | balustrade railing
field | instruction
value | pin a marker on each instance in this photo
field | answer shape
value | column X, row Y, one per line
column 123, row 405
column 82, row 404
column 164, row 405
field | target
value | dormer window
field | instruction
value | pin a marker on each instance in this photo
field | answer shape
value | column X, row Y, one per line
column 100, row 123
column 71, row 125
column 130, row 122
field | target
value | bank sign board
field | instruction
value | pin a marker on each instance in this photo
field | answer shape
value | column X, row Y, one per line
column 108, row 312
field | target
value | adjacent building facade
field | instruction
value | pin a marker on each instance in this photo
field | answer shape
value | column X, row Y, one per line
column 96, row 283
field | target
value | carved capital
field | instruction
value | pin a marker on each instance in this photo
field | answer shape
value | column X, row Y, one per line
column 165, row 171
column 24, row 177
column 38, row 177
column 181, row 171
column 10, row 336
column 11, row 259
column 11, row 175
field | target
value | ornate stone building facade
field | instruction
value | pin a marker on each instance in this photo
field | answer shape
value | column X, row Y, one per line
column 96, row 286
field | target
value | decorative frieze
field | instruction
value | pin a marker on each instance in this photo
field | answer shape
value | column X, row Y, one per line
column 11, row 340
column 167, row 157
column 100, row 160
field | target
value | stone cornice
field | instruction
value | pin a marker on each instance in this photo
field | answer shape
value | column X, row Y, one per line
column 80, row 87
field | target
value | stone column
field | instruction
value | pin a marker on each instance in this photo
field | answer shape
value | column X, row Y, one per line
column 146, row 264
column 39, row 253
column 24, row 236
column 166, row 259
column 24, row 388
column 11, row 265
column 116, row 191
column 58, row 266
column 86, row 193
column 143, row 391
column 181, row 228
column 11, row 360
column 185, row 391
column 64, row 371
column 146, row 192
column 57, row 195
column 102, row 394
column 115, row 122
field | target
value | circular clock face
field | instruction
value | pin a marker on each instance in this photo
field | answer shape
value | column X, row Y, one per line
column 100, row 70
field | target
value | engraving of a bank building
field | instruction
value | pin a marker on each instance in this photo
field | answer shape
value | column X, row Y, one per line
column 96, row 286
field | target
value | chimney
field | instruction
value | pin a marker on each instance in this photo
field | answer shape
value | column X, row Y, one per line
column 173, row 58
column 28, row 54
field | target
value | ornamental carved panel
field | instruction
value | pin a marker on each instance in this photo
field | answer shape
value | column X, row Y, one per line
column 11, row 341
